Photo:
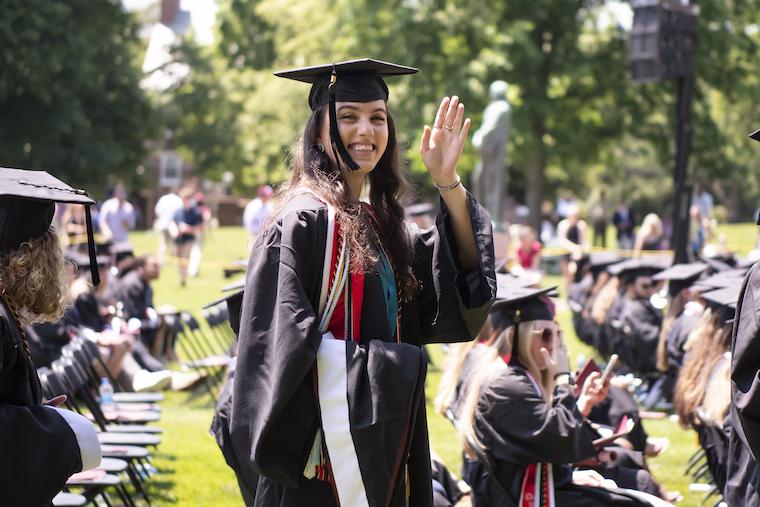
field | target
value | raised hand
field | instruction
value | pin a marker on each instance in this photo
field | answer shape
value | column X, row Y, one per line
column 441, row 146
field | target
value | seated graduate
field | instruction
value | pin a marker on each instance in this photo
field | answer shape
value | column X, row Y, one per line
column 683, row 313
column 42, row 445
column 135, row 294
column 636, row 342
column 328, row 400
column 589, row 279
column 522, row 425
column 702, row 393
column 93, row 315
column 605, row 308
column 462, row 358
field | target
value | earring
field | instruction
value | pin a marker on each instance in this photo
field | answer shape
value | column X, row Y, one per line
column 320, row 147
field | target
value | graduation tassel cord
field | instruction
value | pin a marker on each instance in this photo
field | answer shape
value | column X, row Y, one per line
column 334, row 133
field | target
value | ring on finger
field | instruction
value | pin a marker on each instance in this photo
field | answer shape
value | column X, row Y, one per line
column 449, row 128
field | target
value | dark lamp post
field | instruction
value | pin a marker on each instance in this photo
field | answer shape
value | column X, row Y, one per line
column 661, row 46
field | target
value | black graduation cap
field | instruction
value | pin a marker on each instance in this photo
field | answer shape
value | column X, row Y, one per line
column 724, row 301
column 238, row 284
column 505, row 281
column 599, row 261
column 348, row 81
column 121, row 251
column 234, row 303
column 631, row 268
column 523, row 304
column 27, row 206
column 527, row 303
column 84, row 262
column 680, row 276
column 718, row 281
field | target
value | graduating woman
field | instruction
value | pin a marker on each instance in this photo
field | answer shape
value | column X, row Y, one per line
column 524, row 427
column 341, row 293
column 40, row 444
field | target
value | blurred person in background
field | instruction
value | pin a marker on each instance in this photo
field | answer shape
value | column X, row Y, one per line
column 186, row 227
column 74, row 225
column 257, row 211
column 599, row 218
column 650, row 236
column 196, row 252
column 117, row 217
column 624, row 222
column 166, row 207
column 529, row 249
column 571, row 235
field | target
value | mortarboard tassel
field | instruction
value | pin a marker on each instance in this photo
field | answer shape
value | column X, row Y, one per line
column 334, row 133
column 91, row 248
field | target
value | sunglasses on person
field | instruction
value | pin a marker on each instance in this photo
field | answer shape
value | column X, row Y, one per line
column 547, row 335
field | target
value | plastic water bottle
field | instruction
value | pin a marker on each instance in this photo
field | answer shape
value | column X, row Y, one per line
column 107, row 405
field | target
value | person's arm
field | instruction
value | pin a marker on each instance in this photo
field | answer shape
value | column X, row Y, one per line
column 105, row 210
column 536, row 260
column 441, row 149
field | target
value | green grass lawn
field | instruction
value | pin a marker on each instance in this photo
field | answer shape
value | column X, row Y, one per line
column 192, row 470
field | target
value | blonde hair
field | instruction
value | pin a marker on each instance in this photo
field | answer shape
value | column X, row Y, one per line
column 709, row 341
column 675, row 309
column 651, row 226
column 491, row 364
column 718, row 394
column 604, row 300
column 453, row 363
column 32, row 278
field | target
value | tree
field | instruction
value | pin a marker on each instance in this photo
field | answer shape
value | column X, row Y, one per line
column 69, row 89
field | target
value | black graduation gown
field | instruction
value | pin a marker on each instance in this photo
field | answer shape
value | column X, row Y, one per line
column 639, row 348
column 607, row 337
column 38, row 449
column 743, row 484
column 275, row 412
column 518, row 428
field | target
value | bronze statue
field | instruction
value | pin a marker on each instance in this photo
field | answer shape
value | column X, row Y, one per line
column 489, row 176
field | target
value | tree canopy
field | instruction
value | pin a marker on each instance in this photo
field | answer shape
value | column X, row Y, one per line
column 69, row 89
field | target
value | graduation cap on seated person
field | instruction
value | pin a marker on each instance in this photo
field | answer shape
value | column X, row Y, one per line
column 724, row 301
column 348, row 81
column 234, row 301
column 629, row 269
column 84, row 262
column 718, row 281
column 27, row 206
column 523, row 304
column 681, row 276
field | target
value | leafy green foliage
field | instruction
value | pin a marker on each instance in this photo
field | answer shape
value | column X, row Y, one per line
column 69, row 89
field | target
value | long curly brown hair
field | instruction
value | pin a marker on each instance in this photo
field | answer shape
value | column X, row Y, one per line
column 312, row 168
column 711, row 339
column 32, row 278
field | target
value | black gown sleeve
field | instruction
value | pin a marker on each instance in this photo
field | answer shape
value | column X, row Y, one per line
column 745, row 365
column 518, row 426
column 38, row 449
column 450, row 305
column 274, row 414
column 640, row 349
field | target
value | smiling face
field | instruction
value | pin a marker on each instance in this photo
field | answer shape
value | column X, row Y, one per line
column 363, row 128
